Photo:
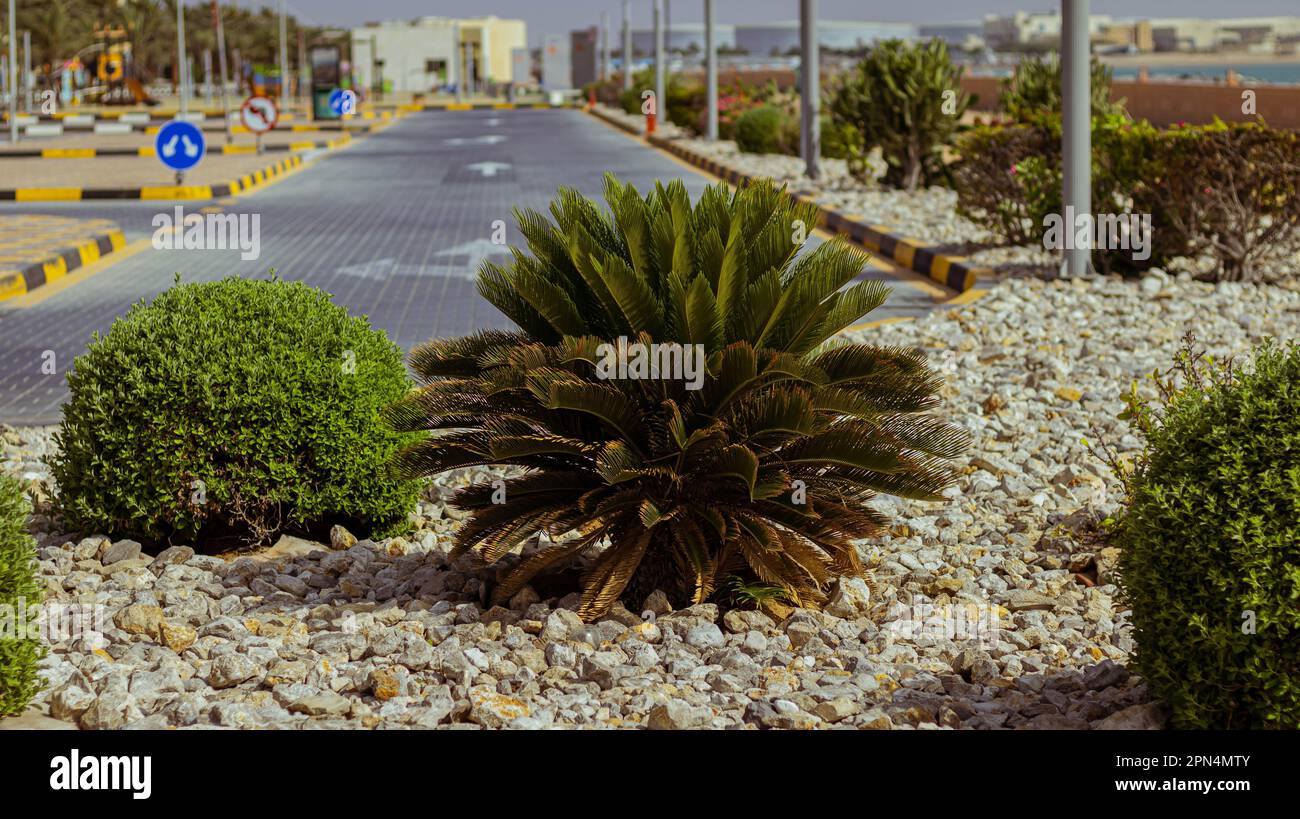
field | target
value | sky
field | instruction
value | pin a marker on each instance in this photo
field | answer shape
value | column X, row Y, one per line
column 561, row 16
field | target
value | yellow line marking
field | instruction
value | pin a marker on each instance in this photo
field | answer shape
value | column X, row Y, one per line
column 42, row 293
column 969, row 296
column 866, row 325
column 67, row 153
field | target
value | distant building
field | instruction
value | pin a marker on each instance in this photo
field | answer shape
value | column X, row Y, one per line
column 584, row 56
column 427, row 53
column 1032, row 28
column 771, row 39
column 557, row 73
column 687, row 38
column 968, row 36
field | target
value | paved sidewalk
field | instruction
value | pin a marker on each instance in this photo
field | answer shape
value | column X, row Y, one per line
column 77, row 141
column 126, row 172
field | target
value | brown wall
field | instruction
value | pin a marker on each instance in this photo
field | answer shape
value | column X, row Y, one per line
column 1168, row 103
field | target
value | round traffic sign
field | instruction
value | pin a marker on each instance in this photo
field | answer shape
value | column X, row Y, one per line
column 179, row 145
column 259, row 114
column 343, row 101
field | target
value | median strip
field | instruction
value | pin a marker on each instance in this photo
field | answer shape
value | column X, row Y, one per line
column 66, row 245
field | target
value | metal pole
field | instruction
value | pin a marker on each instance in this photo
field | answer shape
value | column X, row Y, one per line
column 27, row 71
column 458, row 60
column 710, row 72
column 661, row 109
column 207, row 77
column 221, row 64
column 180, row 58
column 1076, row 130
column 302, row 79
column 810, row 102
column 12, row 76
column 627, row 45
column 604, row 45
column 284, row 56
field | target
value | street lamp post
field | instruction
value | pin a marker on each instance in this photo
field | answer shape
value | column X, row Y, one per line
column 627, row 44
column 13, row 76
column 221, row 65
column 1076, row 129
column 604, row 45
column 181, row 58
column 661, row 107
column 810, row 126
column 284, row 56
column 710, row 72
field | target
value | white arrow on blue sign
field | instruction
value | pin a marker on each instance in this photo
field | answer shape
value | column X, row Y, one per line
column 179, row 145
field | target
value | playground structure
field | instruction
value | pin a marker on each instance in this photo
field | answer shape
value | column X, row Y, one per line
column 102, row 73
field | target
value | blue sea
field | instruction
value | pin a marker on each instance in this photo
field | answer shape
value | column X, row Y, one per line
column 1259, row 72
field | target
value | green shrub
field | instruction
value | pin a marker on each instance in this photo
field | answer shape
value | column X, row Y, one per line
column 1210, row 541
column 1034, row 88
column 1008, row 179
column 232, row 408
column 763, row 468
column 895, row 99
column 838, row 141
column 19, row 593
column 1232, row 191
column 767, row 129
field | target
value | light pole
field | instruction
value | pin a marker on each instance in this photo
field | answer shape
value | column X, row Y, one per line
column 1076, row 130
column 13, row 76
column 627, row 44
column 810, row 130
column 284, row 57
column 661, row 109
column 221, row 65
column 604, row 45
column 710, row 72
column 181, row 58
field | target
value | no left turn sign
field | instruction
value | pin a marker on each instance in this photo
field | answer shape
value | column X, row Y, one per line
column 259, row 114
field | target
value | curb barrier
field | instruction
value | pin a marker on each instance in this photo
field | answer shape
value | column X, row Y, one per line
column 14, row 283
column 950, row 271
column 148, row 151
column 243, row 184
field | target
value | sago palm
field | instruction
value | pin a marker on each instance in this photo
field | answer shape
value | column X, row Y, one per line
column 765, row 469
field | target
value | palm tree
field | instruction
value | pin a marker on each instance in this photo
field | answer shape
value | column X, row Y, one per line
column 765, row 471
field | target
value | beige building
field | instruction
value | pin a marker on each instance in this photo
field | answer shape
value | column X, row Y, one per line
column 429, row 53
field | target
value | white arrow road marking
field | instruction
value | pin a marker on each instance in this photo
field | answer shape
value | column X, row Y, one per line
column 489, row 168
column 488, row 139
column 387, row 268
column 493, row 122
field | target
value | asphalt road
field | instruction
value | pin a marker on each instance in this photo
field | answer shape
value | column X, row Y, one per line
column 393, row 226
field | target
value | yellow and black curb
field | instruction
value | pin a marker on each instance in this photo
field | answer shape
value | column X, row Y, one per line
column 149, row 151
column 950, row 271
column 243, row 184
column 482, row 106
column 15, row 283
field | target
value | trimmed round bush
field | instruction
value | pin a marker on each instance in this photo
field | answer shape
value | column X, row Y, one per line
column 766, row 129
column 1211, row 545
column 20, row 593
column 233, row 409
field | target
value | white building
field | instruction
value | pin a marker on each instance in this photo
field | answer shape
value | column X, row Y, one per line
column 430, row 52
column 1032, row 27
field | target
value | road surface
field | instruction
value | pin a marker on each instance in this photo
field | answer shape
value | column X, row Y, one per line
column 392, row 226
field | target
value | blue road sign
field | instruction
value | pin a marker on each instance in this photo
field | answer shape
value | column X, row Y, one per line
column 179, row 145
column 343, row 101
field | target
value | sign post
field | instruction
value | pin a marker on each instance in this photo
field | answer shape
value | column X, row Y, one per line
column 259, row 115
column 179, row 146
